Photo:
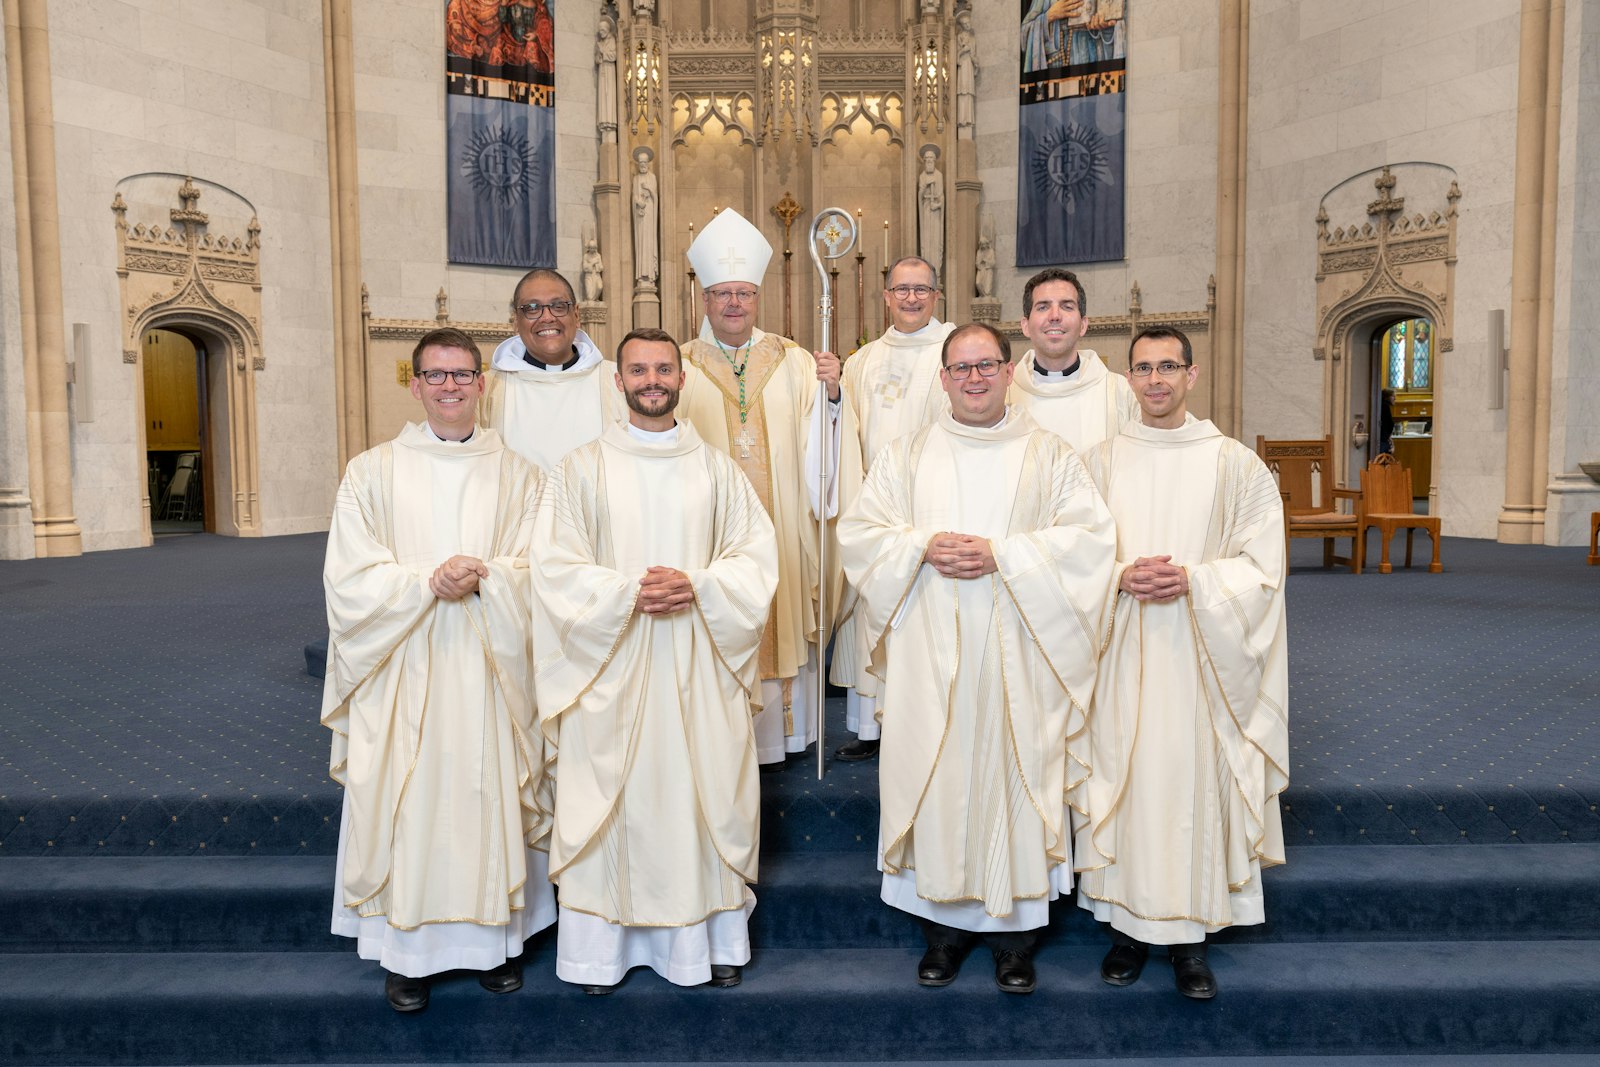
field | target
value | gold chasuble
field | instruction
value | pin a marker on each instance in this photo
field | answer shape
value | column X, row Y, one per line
column 1087, row 408
column 755, row 406
column 430, row 701
column 986, row 681
column 891, row 388
column 657, row 790
column 1189, row 733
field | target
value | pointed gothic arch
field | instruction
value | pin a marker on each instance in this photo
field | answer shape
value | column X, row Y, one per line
column 182, row 277
column 1393, row 266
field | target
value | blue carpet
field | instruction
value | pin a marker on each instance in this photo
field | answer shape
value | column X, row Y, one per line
column 1431, row 709
column 167, row 829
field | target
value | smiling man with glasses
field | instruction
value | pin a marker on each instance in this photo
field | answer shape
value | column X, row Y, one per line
column 891, row 388
column 753, row 395
column 1067, row 389
column 1188, row 763
column 983, row 556
column 548, row 389
column 427, row 588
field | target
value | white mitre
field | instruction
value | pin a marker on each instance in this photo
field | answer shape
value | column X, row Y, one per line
column 729, row 249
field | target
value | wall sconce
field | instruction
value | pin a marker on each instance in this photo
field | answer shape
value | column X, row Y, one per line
column 1358, row 434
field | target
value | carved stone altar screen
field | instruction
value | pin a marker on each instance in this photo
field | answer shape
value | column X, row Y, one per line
column 816, row 100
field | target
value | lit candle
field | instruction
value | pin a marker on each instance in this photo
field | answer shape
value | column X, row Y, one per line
column 885, row 242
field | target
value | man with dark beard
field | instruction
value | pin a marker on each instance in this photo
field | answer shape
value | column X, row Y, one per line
column 658, row 562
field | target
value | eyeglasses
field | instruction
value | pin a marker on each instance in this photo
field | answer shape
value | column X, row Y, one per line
column 533, row 309
column 901, row 292
column 988, row 368
column 723, row 296
column 437, row 377
column 1166, row 368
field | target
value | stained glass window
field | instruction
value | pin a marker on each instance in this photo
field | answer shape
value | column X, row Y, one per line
column 1408, row 355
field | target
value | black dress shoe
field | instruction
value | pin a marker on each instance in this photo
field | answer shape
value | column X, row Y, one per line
column 725, row 975
column 1194, row 977
column 1123, row 964
column 939, row 965
column 406, row 994
column 856, row 751
column 1013, row 971
column 599, row 990
column 506, row 978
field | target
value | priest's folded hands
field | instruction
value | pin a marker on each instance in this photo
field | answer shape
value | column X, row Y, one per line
column 1154, row 579
column 664, row 591
column 960, row 555
column 457, row 577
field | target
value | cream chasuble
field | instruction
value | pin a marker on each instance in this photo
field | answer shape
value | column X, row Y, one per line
column 657, row 791
column 986, row 681
column 1086, row 408
column 544, row 414
column 429, row 700
column 1189, row 731
column 891, row 388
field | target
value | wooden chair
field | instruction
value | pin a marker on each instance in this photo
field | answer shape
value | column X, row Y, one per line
column 1386, row 503
column 1310, row 499
column 1594, row 539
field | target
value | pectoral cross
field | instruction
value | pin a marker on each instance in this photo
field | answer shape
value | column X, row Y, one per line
column 744, row 441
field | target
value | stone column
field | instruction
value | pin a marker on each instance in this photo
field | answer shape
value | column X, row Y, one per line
column 1520, row 523
column 961, row 234
column 1539, row 478
column 55, row 527
column 20, row 544
column 1232, row 96
column 344, row 226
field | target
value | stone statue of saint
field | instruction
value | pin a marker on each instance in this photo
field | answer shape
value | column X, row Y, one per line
column 930, row 208
column 594, row 284
column 966, row 75
column 605, row 65
column 646, row 214
column 983, row 263
column 644, row 8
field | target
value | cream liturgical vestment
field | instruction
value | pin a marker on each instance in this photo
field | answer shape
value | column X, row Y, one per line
column 986, row 681
column 1189, row 734
column 430, row 703
column 657, row 785
column 1086, row 407
column 891, row 388
column 756, row 405
column 545, row 413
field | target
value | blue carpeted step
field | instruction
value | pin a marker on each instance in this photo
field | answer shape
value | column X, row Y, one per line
column 822, row 900
column 1355, row 998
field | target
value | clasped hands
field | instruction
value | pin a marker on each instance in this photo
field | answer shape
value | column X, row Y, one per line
column 457, row 577
column 960, row 555
column 664, row 591
column 1154, row 579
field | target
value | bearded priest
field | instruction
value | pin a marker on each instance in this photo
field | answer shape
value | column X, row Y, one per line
column 655, row 571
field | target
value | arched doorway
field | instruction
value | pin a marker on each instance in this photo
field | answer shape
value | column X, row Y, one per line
column 189, row 286
column 1402, row 355
column 177, row 465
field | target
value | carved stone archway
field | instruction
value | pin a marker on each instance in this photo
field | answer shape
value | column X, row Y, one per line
column 1393, row 266
column 181, row 276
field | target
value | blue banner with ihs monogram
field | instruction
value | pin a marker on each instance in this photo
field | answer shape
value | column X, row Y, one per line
column 500, row 112
column 1071, row 160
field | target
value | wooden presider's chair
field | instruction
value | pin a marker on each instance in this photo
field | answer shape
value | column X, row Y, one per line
column 1310, row 499
column 1386, row 504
